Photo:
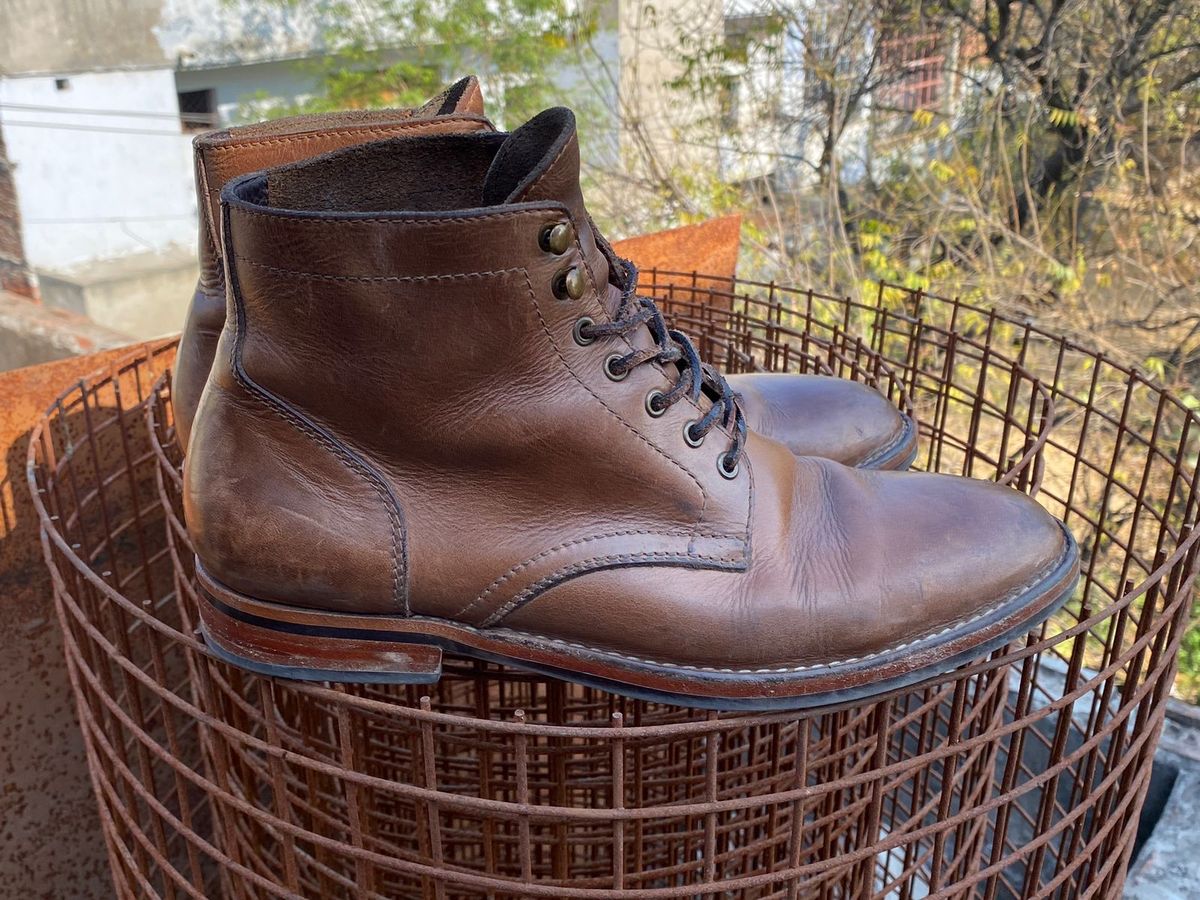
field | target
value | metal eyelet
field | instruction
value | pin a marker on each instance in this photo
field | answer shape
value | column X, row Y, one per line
column 656, row 396
column 569, row 284
column 725, row 471
column 557, row 238
column 577, row 331
column 608, row 370
column 687, row 435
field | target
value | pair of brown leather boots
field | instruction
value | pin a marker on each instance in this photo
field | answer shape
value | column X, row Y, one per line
column 432, row 412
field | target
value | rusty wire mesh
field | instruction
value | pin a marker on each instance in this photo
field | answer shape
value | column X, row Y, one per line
column 1018, row 776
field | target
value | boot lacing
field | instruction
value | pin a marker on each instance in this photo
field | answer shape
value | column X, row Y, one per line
column 672, row 347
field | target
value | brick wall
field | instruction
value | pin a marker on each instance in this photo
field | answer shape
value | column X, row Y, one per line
column 15, row 275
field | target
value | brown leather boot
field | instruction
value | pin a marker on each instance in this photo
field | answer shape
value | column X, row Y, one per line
column 223, row 155
column 442, row 419
column 834, row 418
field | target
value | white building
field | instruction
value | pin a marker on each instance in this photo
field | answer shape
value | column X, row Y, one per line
column 99, row 103
column 98, row 106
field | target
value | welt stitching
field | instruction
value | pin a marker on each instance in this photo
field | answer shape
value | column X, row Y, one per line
column 600, row 400
column 399, row 554
column 369, row 279
column 520, row 567
column 1016, row 592
column 900, row 438
column 586, row 565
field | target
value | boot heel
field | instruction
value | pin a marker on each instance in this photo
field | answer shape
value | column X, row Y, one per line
column 306, row 645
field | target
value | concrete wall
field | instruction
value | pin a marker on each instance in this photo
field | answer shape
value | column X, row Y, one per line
column 78, row 35
column 236, row 32
column 104, row 183
column 649, row 36
column 142, row 296
column 32, row 333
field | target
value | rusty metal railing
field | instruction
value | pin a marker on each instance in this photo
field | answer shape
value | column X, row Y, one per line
column 1019, row 775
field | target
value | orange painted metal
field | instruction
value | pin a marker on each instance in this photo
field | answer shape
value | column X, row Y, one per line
column 50, row 839
column 710, row 247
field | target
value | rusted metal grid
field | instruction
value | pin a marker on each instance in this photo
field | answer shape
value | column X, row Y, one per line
column 1017, row 776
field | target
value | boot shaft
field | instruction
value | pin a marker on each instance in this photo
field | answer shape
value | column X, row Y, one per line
column 224, row 155
column 221, row 156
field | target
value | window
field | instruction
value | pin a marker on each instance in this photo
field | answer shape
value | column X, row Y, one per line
column 915, row 65
column 751, row 42
column 198, row 109
column 62, row 84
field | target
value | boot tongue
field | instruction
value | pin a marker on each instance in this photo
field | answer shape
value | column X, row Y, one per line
column 540, row 161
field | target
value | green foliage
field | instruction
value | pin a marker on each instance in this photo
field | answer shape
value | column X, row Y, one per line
column 399, row 52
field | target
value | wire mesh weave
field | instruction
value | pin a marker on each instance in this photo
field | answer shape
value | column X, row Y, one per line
column 1018, row 776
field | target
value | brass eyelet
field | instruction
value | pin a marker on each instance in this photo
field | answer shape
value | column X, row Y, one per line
column 557, row 238
column 577, row 331
column 725, row 471
column 687, row 435
column 608, row 368
column 656, row 397
column 569, row 284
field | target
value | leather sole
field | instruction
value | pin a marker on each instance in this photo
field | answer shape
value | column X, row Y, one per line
column 313, row 645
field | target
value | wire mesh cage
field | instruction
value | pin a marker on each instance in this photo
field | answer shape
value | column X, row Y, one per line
column 1019, row 775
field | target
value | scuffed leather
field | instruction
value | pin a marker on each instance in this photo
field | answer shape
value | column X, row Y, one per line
column 220, row 156
column 264, row 478
column 505, row 482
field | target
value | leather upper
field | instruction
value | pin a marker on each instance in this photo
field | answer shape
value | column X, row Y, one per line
column 221, row 156
column 399, row 421
column 834, row 418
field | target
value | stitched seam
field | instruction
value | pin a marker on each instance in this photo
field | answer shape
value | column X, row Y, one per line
column 520, row 567
column 587, row 266
column 887, row 449
column 1016, row 592
column 227, row 150
column 372, row 279
column 587, row 565
column 749, row 508
column 363, row 148
column 399, row 554
column 331, row 221
column 399, row 594
column 206, row 215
